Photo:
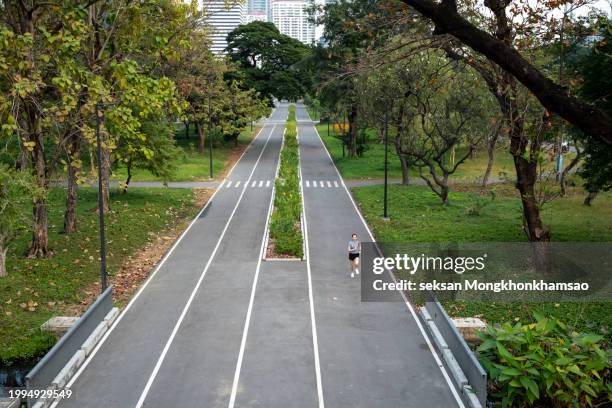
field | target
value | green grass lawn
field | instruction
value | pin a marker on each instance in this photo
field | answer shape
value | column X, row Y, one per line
column 48, row 286
column 371, row 164
column 190, row 164
column 417, row 216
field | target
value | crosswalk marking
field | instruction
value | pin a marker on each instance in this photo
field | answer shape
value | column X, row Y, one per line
column 268, row 183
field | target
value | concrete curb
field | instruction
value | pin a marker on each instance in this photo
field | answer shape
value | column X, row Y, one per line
column 9, row 403
column 449, row 359
column 64, row 376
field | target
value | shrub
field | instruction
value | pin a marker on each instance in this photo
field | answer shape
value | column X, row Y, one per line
column 543, row 363
column 285, row 220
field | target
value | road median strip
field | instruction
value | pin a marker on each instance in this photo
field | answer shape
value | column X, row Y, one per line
column 285, row 225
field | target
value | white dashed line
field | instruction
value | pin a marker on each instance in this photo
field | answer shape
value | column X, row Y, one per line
column 268, row 183
column 229, row 183
column 237, row 184
column 328, row 184
column 307, row 183
column 260, row 183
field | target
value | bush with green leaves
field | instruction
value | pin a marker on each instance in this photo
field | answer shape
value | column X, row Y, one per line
column 285, row 228
column 542, row 364
column 17, row 190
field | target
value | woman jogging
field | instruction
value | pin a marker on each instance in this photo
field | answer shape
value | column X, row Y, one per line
column 354, row 249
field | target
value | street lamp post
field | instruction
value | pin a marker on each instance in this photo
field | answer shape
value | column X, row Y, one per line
column 385, row 212
column 210, row 141
column 103, row 273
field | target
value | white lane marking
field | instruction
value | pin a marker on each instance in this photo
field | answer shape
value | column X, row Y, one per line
column 268, row 183
column 237, row 184
column 307, row 183
column 247, row 322
column 336, row 184
column 161, row 358
column 254, row 182
column 229, row 183
column 406, row 302
column 328, row 183
column 260, row 183
column 322, row 185
column 315, row 341
column 314, row 183
column 152, row 275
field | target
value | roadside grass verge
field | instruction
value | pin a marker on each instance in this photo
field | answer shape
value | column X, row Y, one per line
column 417, row 216
column 37, row 289
column 285, row 228
column 190, row 164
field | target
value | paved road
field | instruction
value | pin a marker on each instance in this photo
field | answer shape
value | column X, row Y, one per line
column 217, row 327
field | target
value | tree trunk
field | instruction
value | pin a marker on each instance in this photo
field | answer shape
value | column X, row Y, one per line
column 566, row 171
column 403, row 158
column 3, row 250
column 70, row 216
column 444, row 194
column 201, row 138
column 352, row 136
column 526, row 174
column 590, row 197
column 129, row 177
column 39, row 247
column 491, row 156
column 22, row 162
column 405, row 169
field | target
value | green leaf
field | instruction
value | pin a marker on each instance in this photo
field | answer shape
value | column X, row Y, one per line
column 503, row 352
column 512, row 372
column 530, row 385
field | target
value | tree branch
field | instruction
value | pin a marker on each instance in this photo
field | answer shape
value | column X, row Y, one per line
column 552, row 96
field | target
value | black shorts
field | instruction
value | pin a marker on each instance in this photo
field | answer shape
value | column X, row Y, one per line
column 353, row 256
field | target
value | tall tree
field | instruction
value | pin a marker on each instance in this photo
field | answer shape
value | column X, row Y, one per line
column 269, row 61
column 496, row 48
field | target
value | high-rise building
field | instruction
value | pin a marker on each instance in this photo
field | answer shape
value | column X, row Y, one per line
column 223, row 20
column 292, row 19
column 255, row 16
column 257, row 6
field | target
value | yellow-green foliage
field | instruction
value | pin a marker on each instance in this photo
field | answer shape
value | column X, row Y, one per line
column 285, row 220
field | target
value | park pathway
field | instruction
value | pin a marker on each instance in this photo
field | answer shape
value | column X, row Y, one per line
column 215, row 326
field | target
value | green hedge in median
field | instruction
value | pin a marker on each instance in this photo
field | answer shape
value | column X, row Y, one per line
column 285, row 228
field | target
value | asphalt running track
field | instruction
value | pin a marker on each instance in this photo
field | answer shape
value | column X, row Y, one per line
column 215, row 326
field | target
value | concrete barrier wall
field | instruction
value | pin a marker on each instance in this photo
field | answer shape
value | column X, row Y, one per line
column 470, row 366
column 41, row 377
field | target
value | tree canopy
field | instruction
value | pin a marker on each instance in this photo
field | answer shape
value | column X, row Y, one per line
column 269, row 61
